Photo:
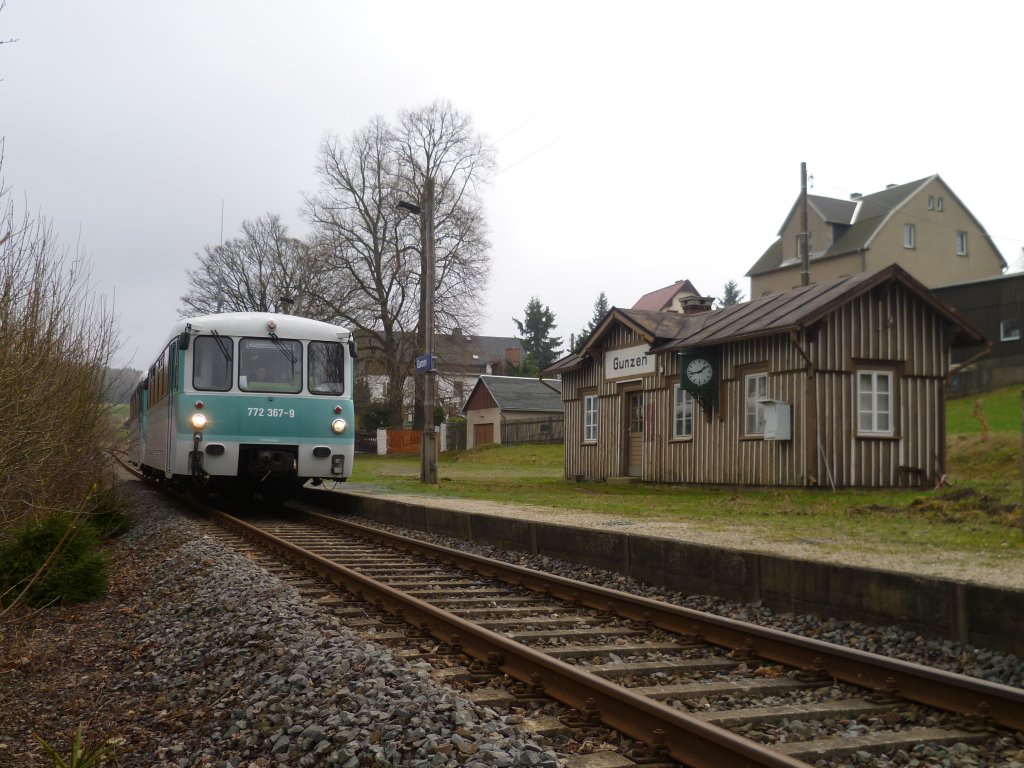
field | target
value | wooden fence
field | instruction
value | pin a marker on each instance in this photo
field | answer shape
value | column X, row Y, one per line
column 546, row 430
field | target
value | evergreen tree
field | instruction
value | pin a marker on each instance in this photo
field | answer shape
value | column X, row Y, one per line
column 541, row 347
column 600, row 310
column 731, row 295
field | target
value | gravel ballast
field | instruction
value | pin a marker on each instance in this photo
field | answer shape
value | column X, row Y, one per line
column 233, row 668
column 199, row 657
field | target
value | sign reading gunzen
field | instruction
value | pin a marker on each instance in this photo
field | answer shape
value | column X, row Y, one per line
column 628, row 362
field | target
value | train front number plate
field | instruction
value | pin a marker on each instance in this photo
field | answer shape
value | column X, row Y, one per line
column 273, row 413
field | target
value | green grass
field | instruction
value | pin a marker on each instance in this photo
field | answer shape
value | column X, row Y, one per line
column 1000, row 409
column 979, row 513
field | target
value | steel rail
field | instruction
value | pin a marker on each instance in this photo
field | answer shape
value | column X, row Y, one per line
column 668, row 732
column 986, row 702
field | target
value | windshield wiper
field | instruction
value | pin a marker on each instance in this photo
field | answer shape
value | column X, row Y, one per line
column 285, row 350
column 223, row 346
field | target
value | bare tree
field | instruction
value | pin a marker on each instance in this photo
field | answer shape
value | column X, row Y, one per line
column 372, row 249
column 264, row 270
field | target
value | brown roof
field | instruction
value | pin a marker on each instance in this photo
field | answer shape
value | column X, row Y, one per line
column 656, row 301
column 769, row 315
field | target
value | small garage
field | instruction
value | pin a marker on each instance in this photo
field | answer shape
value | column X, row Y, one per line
column 499, row 400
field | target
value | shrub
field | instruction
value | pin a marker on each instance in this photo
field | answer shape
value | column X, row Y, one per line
column 63, row 551
column 106, row 512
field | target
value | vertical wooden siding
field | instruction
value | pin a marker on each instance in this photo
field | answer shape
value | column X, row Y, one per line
column 889, row 327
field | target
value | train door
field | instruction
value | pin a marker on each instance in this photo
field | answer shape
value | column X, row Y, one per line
column 634, row 433
column 169, row 384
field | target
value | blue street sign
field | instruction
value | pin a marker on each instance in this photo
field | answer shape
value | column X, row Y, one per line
column 424, row 363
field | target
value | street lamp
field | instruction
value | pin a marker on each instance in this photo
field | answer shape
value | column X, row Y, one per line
column 428, row 446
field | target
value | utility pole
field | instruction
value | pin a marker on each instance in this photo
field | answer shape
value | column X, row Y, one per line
column 805, row 236
column 428, row 443
column 428, row 459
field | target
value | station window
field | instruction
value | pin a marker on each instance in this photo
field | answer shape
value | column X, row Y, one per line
column 212, row 359
column 590, row 418
column 874, row 403
column 682, row 424
column 755, row 386
column 326, row 367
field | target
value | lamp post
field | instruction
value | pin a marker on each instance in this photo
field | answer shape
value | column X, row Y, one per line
column 428, row 445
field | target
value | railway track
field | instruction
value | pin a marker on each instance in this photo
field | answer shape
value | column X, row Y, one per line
column 689, row 687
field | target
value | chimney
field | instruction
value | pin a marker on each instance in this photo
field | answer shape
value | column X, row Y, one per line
column 514, row 355
column 856, row 195
column 694, row 305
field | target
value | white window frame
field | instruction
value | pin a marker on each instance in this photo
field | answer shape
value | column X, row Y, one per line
column 961, row 243
column 875, row 405
column 682, row 414
column 1009, row 329
column 590, row 421
column 909, row 236
column 938, row 204
column 755, row 389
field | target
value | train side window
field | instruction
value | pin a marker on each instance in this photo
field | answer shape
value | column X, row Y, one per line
column 326, row 367
column 212, row 358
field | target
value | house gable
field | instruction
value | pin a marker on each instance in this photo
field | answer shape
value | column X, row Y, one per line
column 868, row 233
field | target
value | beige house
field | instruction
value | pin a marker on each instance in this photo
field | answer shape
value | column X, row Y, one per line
column 922, row 226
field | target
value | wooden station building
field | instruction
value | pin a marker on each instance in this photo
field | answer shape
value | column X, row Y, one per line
column 840, row 383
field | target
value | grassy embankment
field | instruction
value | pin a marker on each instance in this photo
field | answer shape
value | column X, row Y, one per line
column 979, row 513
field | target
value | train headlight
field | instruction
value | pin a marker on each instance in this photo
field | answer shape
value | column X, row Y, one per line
column 339, row 425
column 198, row 420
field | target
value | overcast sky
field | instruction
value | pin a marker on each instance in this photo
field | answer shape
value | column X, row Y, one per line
column 638, row 143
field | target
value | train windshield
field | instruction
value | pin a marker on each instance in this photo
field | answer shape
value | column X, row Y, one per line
column 212, row 357
column 326, row 367
column 270, row 365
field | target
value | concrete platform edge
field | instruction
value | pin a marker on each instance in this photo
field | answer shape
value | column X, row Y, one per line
column 984, row 616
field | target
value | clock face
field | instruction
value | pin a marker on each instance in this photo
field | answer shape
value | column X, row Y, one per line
column 699, row 371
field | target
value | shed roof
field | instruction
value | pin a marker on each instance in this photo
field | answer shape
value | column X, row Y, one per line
column 516, row 393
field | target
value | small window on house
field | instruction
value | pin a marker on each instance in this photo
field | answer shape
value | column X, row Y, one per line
column 961, row 243
column 590, row 418
column 908, row 235
column 931, row 202
column 874, row 403
column 682, row 424
column 755, row 386
column 938, row 204
column 1009, row 329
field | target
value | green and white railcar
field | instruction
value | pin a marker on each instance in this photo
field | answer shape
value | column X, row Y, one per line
column 250, row 398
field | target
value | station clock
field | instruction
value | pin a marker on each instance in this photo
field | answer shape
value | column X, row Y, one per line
column 698, row 375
